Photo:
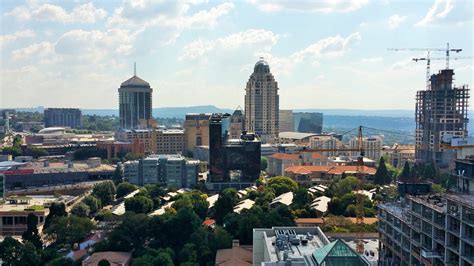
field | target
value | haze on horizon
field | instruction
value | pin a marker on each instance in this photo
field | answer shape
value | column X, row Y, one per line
column 198, row 52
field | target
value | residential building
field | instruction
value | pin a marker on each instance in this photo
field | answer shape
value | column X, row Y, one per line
column 278, row 162
column 196, row 129
column 120, row 148
column 441, row 111
column 301, row 246
column 232, row 162
column 427, row 229
column 237, row 124
column 145, row 138
column 286, row 121
column 172, row 170
column 62, row 117
column 398, row 155
column 237, row 255
column 317, row 174
column 308, row 122
column 372, row 147
column 135, row 104
column 329, row 143
column 262, row 103
column 170, row 141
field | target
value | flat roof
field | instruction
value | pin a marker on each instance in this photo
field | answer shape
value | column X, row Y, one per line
column 33, row 202
column 295, row 135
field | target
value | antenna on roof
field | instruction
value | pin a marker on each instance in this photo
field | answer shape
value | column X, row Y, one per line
column 134, row 68
column 261, row 57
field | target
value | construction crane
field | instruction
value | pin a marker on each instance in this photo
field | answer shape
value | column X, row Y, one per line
column 429, row 50
column 359, row 196
column 428, row 63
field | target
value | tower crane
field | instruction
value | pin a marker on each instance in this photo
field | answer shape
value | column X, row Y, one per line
column 429, row 50
column 428, row 59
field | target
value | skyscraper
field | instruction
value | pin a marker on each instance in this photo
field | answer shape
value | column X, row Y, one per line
column 135, row 103
column 237, row 123
column 63, row 117
column 262, row 103
column 286, row 120
column 441, row 111
column 308, row 122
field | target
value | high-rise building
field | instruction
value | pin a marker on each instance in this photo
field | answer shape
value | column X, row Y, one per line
column 441, row 111
column 372, row 147
column 286, row 121
column 237, row 124
column 169, row 141
column 196, row 130
column 232, row 162
column 144, row 137
column 308, row 122
column 62, row 117
column 262, row 103
column 135, row 103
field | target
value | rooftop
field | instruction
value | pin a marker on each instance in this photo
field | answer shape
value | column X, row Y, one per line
column 135, row 82
column 237, row 255
column 37, row 203
column 113, row 257
column 285, row 198
column 295, row 135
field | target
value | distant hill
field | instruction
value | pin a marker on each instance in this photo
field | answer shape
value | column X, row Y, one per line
column 360, row 112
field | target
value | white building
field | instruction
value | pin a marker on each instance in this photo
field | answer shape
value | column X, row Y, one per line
column 327, row 143
column 372, row 147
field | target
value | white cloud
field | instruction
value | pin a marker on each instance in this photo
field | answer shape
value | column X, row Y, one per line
column 4, row 39
column 372, row 60
column 262, row 38
column 42, row 49
column 310, row 5
column 395, row 20
column 330, row 46
column 85, row 13
column 439, row 10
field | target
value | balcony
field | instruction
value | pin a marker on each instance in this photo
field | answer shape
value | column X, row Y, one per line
column 430, row 254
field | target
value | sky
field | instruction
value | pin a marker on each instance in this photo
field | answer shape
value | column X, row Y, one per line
column 323, row 54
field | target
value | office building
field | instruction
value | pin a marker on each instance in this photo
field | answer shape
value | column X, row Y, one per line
column 301, row 246
column 329, row 143
column 286, row 121
column 372, row 147
column 62, row 117
column 308, row 122
column 170, row 170
column 441, row 111
column 145, row 138
column 237, row 124
column 135, row 104
column 196, row 129
column 170, row 141
column 262, row 103
column 232, row 162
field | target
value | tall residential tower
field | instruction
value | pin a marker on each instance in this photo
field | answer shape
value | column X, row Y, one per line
column 262, row 103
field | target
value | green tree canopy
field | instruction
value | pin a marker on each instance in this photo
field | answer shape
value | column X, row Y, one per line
column 405, row 174
column 104, row 191
column 13, row 252
column 139, row 204
column 225, row 204
column 263, row 164
column 31, row 234
column 81, row 210
column 124, row 189
column 301, row 198
column 382, row 176
column 282, row 184
column 93, row 203
column 69, row 230
column 56, row 209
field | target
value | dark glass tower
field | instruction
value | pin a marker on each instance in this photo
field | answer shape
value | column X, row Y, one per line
column 135, row 103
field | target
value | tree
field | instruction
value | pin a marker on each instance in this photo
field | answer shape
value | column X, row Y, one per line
column 118, row 175
column 382, row 176
column 104, row 191
column 36, row 152
column 437, row 188
column 263, row 164
column 12, row 252
column 56, row 209
column 81, row 210
column 130, row 234
column 139, row 204
column 225, row 204
column 103, row 262
column 282, row 184
column 31, row 234
column 301, row 198
column 93, row 203
column 188, row 253
column 344, row 186
column 124, row 189
column 61, row 261
column 70, row 229
column 429, row 171
column 405, row 174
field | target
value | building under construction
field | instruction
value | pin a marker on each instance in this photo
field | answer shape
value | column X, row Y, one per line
column 441, row 111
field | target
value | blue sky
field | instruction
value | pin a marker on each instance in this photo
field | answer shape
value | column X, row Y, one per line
column 324, row 54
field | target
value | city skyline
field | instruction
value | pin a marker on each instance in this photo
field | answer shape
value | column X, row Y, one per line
column 51, row 51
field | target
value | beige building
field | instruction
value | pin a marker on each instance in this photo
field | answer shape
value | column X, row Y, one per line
column 372, row 147
column 262, row 103
column 327, row 143
column 237, row 124
column 196, row 129
column 170, row 141
column 399, row 154
column 145, row 137
column 286, row 121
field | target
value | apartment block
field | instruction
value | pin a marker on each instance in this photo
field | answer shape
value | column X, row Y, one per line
column 170, row 141
column 372, row 147
column 62, row 117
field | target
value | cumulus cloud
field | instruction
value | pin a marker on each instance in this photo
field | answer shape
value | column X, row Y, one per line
column 395, row 20
column 4, row 39
column 263, row 38
column 438, row 11
column 309, row 6
column 85, row 13
column 372, row 60
column 330, row 46
column 42, row 49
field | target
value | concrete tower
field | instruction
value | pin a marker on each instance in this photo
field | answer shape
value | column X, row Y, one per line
column 262, row 103
column 135, row 103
